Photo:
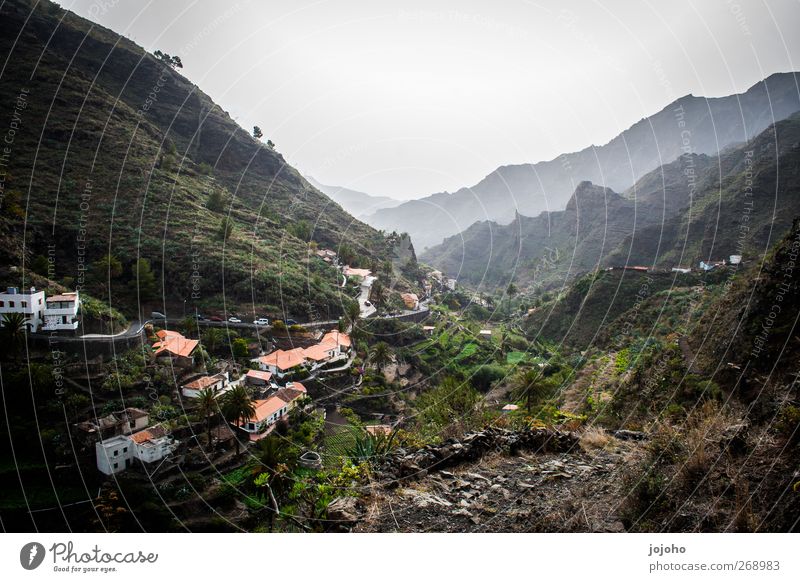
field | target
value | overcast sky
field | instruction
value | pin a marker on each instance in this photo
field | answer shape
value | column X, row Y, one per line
column 410, row 98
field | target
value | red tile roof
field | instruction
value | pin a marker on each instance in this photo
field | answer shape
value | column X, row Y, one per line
column 148, row 434
column 174, row 343
column 319, row 352
column 288, row 394
column 266, row 408
column 297, row 386
column 352, row 272
column 204, row 382
column 336, row 338
column 284, row 359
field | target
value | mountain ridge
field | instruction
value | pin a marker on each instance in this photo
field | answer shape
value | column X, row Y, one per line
column 713, row 124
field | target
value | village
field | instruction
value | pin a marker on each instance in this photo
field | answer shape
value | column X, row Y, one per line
column 225, row 402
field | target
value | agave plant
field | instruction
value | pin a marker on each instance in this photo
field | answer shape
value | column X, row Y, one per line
column 368, row 446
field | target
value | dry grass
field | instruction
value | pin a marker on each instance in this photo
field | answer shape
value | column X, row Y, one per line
column 595, row 437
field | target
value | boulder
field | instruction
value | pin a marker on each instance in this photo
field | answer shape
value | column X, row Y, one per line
column 345, row 512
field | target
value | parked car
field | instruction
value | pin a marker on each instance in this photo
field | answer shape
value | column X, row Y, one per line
column 261, row 321
column 200, row 317
column 233, row 319
column 215, row 318
column 157, row 315
column 290, row 322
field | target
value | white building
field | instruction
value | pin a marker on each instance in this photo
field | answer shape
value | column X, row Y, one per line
column 451, row 284
column 61, row 312
column 114, row 455
column 735, row 259
column 30, row 303
column 217, row 383
column 153, row 444
column 117, row 453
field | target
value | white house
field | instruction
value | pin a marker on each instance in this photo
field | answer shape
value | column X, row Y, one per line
column 114, row 455
column 735, row 259
column 153, row 444
column 451, row 284
column 117, row 453
column 273, row 409
column 711, row 265
column 61, row 312
column 217, row 383
column 30, row 303
column 282, row 362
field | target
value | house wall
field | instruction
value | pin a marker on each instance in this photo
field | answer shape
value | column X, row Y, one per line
column 117, row 451
column 153, row 451
column 33, row 310
column 194, row 393
column 61, row 315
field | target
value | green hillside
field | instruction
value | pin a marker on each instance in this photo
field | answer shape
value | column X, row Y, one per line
column 115, row 151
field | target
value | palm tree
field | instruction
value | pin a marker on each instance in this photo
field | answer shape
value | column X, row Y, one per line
column 378, row 294
column 213, row 338
column 237, row 406
column 352, row 313
column 14, row 327
column 381, row 355
column 207, row 406
column 532, row 386
column 277, row 459
column 502, row 343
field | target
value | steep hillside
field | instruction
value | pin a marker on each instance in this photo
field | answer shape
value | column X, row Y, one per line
column 115, row 152
column 703, row 125
column 697, row 207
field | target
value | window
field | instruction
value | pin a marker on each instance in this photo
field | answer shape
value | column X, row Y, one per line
column 40, row 301
column 11, row 304
column 2, row 303
column 24, row 303
column 124, row 449
column 116, row 465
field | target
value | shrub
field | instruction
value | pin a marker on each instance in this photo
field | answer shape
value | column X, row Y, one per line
column 788, row 424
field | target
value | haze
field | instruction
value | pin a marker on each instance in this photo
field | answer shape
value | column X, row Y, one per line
column 407, row 100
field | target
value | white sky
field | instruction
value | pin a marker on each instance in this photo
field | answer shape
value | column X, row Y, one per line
column 409, row 98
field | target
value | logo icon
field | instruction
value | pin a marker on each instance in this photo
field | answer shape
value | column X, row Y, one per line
column 31, row 555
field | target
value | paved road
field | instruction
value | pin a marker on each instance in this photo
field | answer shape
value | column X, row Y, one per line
column 134, row 330
column 366, row 287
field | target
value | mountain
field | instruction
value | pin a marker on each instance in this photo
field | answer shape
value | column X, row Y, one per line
column 114, row 151
column 689, row 125
column 695, row 208
column 359, row 204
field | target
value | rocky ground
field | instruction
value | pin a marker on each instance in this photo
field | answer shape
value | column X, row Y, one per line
column 547, row 483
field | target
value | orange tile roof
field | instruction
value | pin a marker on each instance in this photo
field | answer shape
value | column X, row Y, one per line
column 165, row 333
column 284, row 359
column 297, row 386
column 266, row 408
column 259, row 375
column 336, row 338
column 174, row 343
column 288, row 394
column 141, row 436
column 352, row 272
column 148, row 434
column 319, row 352
column 204, row 382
